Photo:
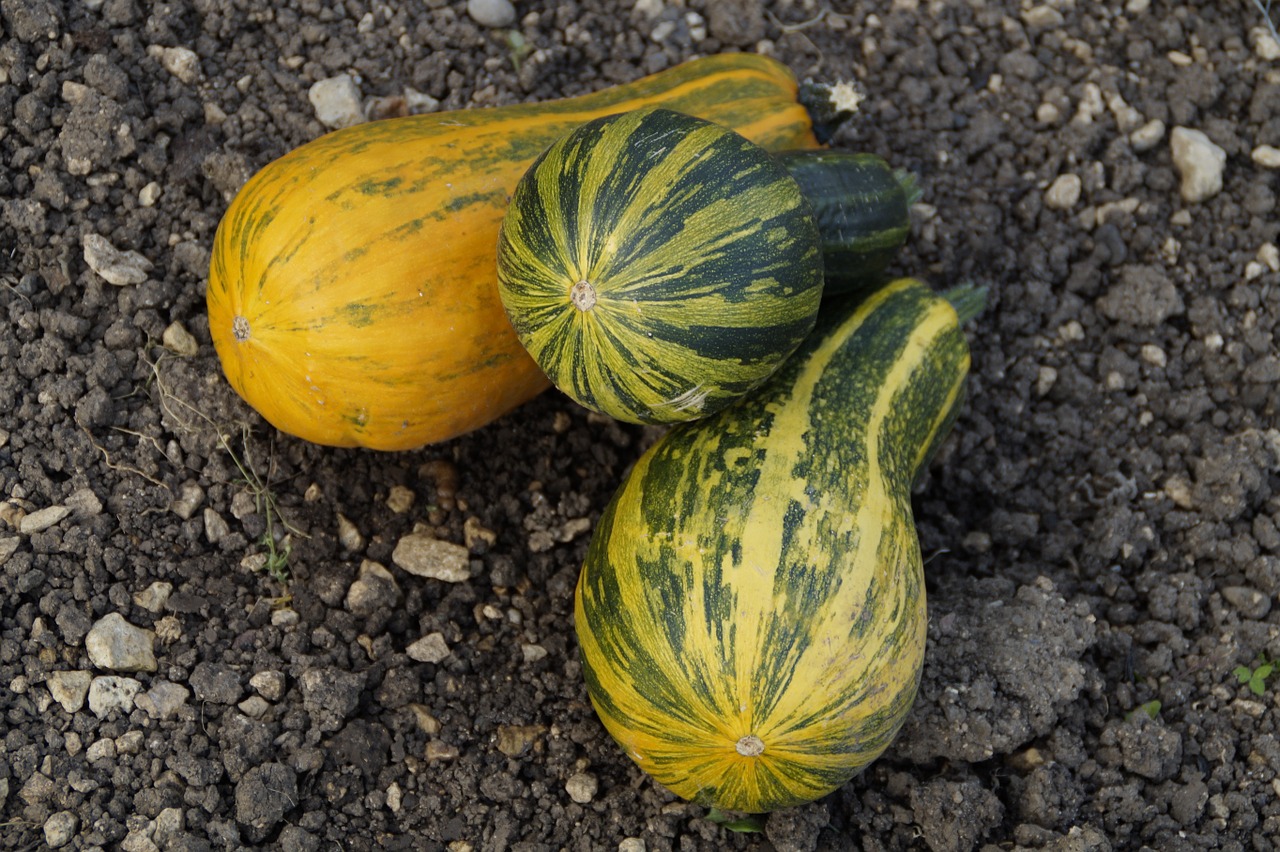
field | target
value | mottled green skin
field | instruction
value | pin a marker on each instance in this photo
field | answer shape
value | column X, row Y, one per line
column 862, row 208
column 758, row 574
column 700, row 253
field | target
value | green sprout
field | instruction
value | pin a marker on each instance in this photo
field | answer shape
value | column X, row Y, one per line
column 518, row 47
column 1257, row 676
column 753, row 823
column 1150, row 708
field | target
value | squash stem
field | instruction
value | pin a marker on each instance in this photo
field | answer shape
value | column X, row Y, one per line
column 968, row 300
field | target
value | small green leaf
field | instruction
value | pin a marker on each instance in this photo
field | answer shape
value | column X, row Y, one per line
column 1243, row 673
column 746, row 824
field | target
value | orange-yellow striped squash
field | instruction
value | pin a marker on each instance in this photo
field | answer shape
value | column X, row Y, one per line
column 352, row 291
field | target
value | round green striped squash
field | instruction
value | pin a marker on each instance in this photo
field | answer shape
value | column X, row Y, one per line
column 658, row 266
column 751, row 611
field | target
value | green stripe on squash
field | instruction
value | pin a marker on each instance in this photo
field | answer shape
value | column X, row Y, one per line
column 751, row 611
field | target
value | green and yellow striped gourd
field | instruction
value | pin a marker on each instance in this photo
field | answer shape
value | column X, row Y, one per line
column 751, row 611
column 658, row 266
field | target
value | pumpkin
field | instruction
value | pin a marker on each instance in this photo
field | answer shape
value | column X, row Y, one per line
column 658, row 266
column 352, row 296
column 751, row 610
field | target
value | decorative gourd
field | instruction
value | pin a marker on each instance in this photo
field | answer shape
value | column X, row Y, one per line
column 862, row 207
column 751, row 611
column 658, row 266
column 352, row 295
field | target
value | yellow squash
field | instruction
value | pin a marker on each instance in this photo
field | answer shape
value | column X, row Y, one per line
column 353, row 295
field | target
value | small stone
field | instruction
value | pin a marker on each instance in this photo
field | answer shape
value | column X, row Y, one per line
column 170, row 823
column 154, row 597
column 1137, row 7
column 8, row 547
column 533, row 653
column 423, row 555
column 1178, row 489
column 169, row 629
column 492, row 13
column 190, row 496
column 1045, row 380
column 337, row 101
column 374, row 590
column 269, row 684
column 400, row 499
column 110, row 693
column 163, row 700
column 130, row 742
column 84, row 503
column 518, row 740
column 69, row 688
column 438, row 750
column 1199, row 161
column 104, row 749
column 1043, row 17
column 1048, row 113
column 216, row 527
column 1154, row 355
column 1266, row 156
column 349, row 535
column 1064, row 192
column 181, row 62
column 1265, row 46
column 255, row 706
column 419, row 103
column 632, row 844
column 1147, row 136
column 117, row 645
column 427, row 723
column 120, row 268
column 60, row 829
column 1250, row 603
column 41, row 519
column 177, row 339
column 150, row 194
column 582, row 787
column 429, row 649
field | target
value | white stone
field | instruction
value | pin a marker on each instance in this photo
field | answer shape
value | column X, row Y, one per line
column 1048, row 113
column 429, row 649
column 42, row 519
column 1264, row 43
column 117, row 645
column 1266, row 156
column 1199, row 161
column 8, row 547
column 1137, row 7
column 112, row 693
column 69, row 688
column 181, row 62
column 60, row 829
column 178, row 340
column 155, row 596
column 190, row 496
column 163, row 699
column 1127, row 118
column 1269, row 254
column 84, row 503
column 1043, row 17
column 337, row 101
column 532, row 653
column 120, row 268
column 423, row 555
column 270, row 684
column 1147, row 136
column 582, row 787
column 492, row 13
column 632, row 844
column 103, row 749
column 1064, row 192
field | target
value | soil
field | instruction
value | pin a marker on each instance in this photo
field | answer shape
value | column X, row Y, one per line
column 1103, row 526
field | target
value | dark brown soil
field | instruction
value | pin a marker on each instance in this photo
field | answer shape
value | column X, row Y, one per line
column 1103, row 526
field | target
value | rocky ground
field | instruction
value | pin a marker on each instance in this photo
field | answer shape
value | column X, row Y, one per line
column 1103, row 527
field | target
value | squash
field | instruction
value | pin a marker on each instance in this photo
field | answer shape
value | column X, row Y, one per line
column 862, row 207
column 352, row 296
column 658, row 266
column 751, row 610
